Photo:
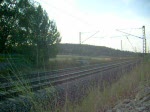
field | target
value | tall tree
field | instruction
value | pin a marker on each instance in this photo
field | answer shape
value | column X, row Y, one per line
column 7, row 12
column 25, row 26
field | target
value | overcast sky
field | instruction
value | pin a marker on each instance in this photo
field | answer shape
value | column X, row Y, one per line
column 103, row 17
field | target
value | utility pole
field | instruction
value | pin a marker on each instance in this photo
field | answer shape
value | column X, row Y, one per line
column 121, row 45
column 144, row 40
column 135, row 49
column 143, row 37
column 79, row 37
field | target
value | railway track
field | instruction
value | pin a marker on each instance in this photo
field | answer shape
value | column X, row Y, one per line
column 53, row 72
column 35, row 82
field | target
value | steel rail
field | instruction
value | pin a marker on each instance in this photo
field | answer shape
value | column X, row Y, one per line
column 54, row 80
column 40, row 79
column 53, row 72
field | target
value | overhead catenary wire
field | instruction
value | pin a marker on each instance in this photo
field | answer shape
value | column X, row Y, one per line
column 129, row 34
column 77, row 18
column 90, row 36
column 131, row 29
column 68, row 14
column 130, row 43
column 110, row 36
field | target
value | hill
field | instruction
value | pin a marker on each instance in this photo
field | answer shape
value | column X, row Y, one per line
column 89, row 50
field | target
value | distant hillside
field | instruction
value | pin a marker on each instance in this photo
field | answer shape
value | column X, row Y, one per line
column 89, row 50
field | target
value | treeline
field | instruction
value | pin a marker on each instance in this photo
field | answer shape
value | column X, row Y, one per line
column 25, row 28
column 89, row 50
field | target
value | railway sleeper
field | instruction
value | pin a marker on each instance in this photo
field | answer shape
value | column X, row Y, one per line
column 47, row 83
column 43, row 79
column 54, row 72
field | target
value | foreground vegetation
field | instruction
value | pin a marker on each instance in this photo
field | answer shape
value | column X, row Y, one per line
column 97, row 99
column 125, row 87
column 18, row 63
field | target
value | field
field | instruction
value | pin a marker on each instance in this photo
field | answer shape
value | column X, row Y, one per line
column 70, row 57
column 18, row 64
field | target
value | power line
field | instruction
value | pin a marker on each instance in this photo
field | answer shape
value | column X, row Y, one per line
column 129, row 34
column 68, row 14
column 131, row 29
column 90, row 36
column 76, row 17
column 110, row 36
column 130, row 42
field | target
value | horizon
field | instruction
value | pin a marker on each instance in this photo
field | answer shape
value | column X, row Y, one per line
column 100, row 46
column 105, row 16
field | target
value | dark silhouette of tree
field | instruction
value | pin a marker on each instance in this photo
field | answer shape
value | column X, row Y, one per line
column 25, row 28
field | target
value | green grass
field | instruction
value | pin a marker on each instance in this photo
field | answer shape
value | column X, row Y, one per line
column 76, row 57
column 73, row 61
column 68, row 61
column 57, row 63
column 96, row 100
column 19, row 64
column 126, row 87
column 80, row 57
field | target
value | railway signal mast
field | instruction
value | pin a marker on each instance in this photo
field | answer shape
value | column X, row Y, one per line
column 79, row 37
column 144, row 37
column 119, row 30
column 81, row 42
column 144, row 40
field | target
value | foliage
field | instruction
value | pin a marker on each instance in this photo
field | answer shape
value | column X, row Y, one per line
column 25, row 28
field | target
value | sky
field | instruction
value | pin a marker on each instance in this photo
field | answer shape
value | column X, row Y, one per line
column 98, row 21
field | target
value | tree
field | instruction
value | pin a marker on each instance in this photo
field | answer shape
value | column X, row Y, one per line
column 6, row 23
column 24, row 25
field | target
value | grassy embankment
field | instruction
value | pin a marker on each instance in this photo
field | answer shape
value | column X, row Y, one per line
column 125, row 87
column 99, row 100
column 16, row 69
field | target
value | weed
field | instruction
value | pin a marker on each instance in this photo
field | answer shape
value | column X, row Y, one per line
column 126, row 87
